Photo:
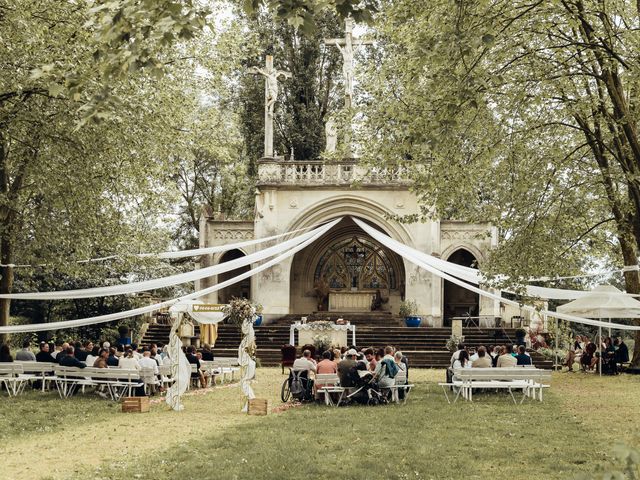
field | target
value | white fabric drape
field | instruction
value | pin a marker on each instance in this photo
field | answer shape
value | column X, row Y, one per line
column 181, row 253
column 38, row 327
column 246, row 360
column 407, row 253
column 475, row 276
column 168, row 281
column 180, row 367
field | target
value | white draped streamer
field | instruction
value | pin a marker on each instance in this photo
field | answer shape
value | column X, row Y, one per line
column 180, row 253
column 407, row 253
column 164, row 282
column 246, row 353
column 38, row 327
column 180, row 369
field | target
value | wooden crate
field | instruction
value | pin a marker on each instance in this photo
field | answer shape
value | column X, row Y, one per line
column 135, row 404
column 258, row 406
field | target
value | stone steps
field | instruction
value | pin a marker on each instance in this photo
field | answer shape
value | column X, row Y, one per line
column 425, row 347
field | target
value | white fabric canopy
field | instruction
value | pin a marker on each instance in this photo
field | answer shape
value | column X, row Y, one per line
column 603, row 301
column 407, row 253
column 164, row 282
column 38, row 327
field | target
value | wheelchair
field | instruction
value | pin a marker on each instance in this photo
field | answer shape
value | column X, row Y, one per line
column 297, row 386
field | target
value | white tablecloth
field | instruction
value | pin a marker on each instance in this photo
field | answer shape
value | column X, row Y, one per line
column 311, row 327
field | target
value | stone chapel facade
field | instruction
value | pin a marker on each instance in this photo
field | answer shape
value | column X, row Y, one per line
column 296, row 194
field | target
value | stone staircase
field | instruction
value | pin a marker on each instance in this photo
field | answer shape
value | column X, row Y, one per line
column 425, row 346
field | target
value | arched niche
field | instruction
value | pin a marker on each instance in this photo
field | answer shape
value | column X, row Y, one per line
column 458, row 301
column 241, row 289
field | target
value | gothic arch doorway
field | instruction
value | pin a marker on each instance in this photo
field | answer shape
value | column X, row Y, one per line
column 350, row 266
column 241, row 289
column 458, row 301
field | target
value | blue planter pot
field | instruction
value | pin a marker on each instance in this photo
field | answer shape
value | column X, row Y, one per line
column 413, row 321
column 258, row 321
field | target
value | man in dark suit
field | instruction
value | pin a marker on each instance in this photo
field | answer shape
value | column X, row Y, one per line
column 69, row 360
column 43, row 355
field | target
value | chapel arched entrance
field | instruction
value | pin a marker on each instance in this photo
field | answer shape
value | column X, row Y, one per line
column 458, row 301
column 344, row 271
column 240, row 289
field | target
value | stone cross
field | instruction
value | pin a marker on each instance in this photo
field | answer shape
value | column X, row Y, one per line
column 345, row 45
column 271, row 76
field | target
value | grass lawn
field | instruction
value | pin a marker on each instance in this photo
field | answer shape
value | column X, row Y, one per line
column 572, row 432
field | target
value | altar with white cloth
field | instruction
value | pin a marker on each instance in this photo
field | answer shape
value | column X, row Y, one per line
column 337, row 334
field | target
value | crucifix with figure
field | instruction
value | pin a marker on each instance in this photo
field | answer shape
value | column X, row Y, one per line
column 346, row 45
column 271, row 76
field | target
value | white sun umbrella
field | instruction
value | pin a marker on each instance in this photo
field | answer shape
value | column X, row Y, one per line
column 604, row 301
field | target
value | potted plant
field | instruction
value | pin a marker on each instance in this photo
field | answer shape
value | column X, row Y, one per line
column 258, row 321
column 409, row 310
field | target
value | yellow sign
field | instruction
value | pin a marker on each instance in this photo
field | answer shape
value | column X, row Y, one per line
column 208, row 307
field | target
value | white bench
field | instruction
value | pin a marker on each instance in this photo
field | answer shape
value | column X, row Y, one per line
column 531, row 381
column 227, row 366
column 400, row 384
column 328, row 383
column 117, row 380
column 39, row 370
column 13, row 377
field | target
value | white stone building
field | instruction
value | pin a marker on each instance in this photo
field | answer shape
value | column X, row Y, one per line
column 297, row 194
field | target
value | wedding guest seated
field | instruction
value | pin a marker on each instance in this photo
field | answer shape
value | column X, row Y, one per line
column 25, row 355
column 386, row 369
column 609, row 365
column 81, row 353
column 5, row 353
column 112, row 359
column 147, row 362
column 337, row 356
column 589, row 360
column 101, row 359
column 347, row 369
column 574, row 353
column 506, row 359
column 58, row 347
column 483, row 360
column 69, row 359
column 456, row 354
column 128, row 362
column 43, row 355
column 193, row 359
column 371, row 358
column 93, row 356
column 522, row 358
column 207, row 354
column 326, row 366
column 305, row 362
column 622, row 351
column 495, row 354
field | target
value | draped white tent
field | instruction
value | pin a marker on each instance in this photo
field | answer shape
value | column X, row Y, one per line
column 604, row 301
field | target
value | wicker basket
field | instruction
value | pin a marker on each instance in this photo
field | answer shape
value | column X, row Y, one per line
column 258, row 406
column 135, row 404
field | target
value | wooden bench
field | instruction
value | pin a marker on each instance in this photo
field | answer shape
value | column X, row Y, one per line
column 530, row 380
column 117, row 380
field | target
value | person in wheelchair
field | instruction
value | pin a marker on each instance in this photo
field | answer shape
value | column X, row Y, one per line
column 300, row 381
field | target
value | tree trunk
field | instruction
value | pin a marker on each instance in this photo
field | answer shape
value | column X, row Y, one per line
column 632, row 284
column 6, row 283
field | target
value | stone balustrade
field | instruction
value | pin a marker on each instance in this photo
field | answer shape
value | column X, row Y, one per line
column 278, row 171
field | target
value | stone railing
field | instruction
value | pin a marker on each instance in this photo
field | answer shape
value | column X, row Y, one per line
column 320, row 173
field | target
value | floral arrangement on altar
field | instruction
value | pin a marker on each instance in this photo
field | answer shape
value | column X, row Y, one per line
column 452, row 343
column 238, row 310
column 321, row 325
column 322, row 342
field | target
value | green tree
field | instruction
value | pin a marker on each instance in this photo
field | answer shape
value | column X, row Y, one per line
column 305, row 100
column 521, row 113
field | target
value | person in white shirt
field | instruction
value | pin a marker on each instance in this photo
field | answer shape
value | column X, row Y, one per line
column 147, row 362
column 456, row 354
column 128, row 362
column 305, row 362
